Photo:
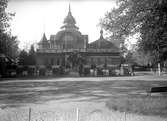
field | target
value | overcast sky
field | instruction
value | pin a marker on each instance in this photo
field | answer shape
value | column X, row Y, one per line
column 34, row 17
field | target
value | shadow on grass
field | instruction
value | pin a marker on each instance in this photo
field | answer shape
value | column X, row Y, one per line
column 16, row 93
column 145, row 105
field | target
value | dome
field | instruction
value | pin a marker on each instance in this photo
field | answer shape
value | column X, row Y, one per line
column 62, row 33
column 69, row 36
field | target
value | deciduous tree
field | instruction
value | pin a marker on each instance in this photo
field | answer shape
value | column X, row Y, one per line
column 147, row 18
column 32, row 56
column 23, row 58
column 8, row 43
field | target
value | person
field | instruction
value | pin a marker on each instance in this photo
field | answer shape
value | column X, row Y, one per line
column 80, row 70
column 104, row 72
column 107, row 72
column 132, row 70
column 95, row 72
column 91, row 72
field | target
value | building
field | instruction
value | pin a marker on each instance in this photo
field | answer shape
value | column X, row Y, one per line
column 56, row 51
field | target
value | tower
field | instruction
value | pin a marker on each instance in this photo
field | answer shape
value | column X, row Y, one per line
column 69, row 21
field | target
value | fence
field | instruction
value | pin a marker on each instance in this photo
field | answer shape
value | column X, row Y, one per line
column 33, row 115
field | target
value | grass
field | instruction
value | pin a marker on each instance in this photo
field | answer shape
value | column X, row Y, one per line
column 144, row 105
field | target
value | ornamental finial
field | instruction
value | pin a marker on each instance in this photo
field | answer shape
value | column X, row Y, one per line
column 69, row 8
column 101, row 33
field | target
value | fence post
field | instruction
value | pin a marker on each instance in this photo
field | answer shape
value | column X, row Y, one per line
column 29, row 115
column 125, row 115
column 77, row 118
column 159, row 69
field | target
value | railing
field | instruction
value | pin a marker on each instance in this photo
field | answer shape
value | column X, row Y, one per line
column 73, row 50
column 59, row 50
column 102, row 50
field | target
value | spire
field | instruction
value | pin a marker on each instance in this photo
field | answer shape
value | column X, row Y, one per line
column 44, row 38
column 44, row 42
column 69, row 21
column 43, row 28
column 69, row 8
column 69, row 18
column 101, row 34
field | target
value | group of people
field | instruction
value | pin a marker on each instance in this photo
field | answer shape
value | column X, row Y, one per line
column 94, row 72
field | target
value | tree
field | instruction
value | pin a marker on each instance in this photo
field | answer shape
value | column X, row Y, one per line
column 27, row 58
column 32, row 56
column 154, row 32
column 8, row 43
column 23, row 58
column 139, row 58
column 147, row 18
column 76, row 59
column 4, row 17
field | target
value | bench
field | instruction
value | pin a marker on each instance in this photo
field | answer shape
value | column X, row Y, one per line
column 157, row 89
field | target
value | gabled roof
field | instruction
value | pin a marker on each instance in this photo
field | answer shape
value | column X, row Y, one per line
column 102, row 43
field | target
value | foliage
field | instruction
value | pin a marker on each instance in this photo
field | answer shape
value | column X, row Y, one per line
column 146, row 17
column 138, row 58
column 76, row 59
column 129, row 58
column 8, row 43
column 23, row 58
column 32, row 56
column 4, row 16
column 143, row 59
column 27, row 58
column 154, row 31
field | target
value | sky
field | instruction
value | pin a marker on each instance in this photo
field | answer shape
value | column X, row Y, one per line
column 34, row 17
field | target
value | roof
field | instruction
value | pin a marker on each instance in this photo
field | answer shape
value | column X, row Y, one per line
column 69, row 21
column 102, row 43
column 62, row 33
column 44, row 39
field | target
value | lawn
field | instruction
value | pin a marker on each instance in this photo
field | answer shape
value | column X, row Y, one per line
column 144, row 105
column 135, row 98
column 120, row 95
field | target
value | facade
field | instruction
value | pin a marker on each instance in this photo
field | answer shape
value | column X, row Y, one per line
column 56, row 51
